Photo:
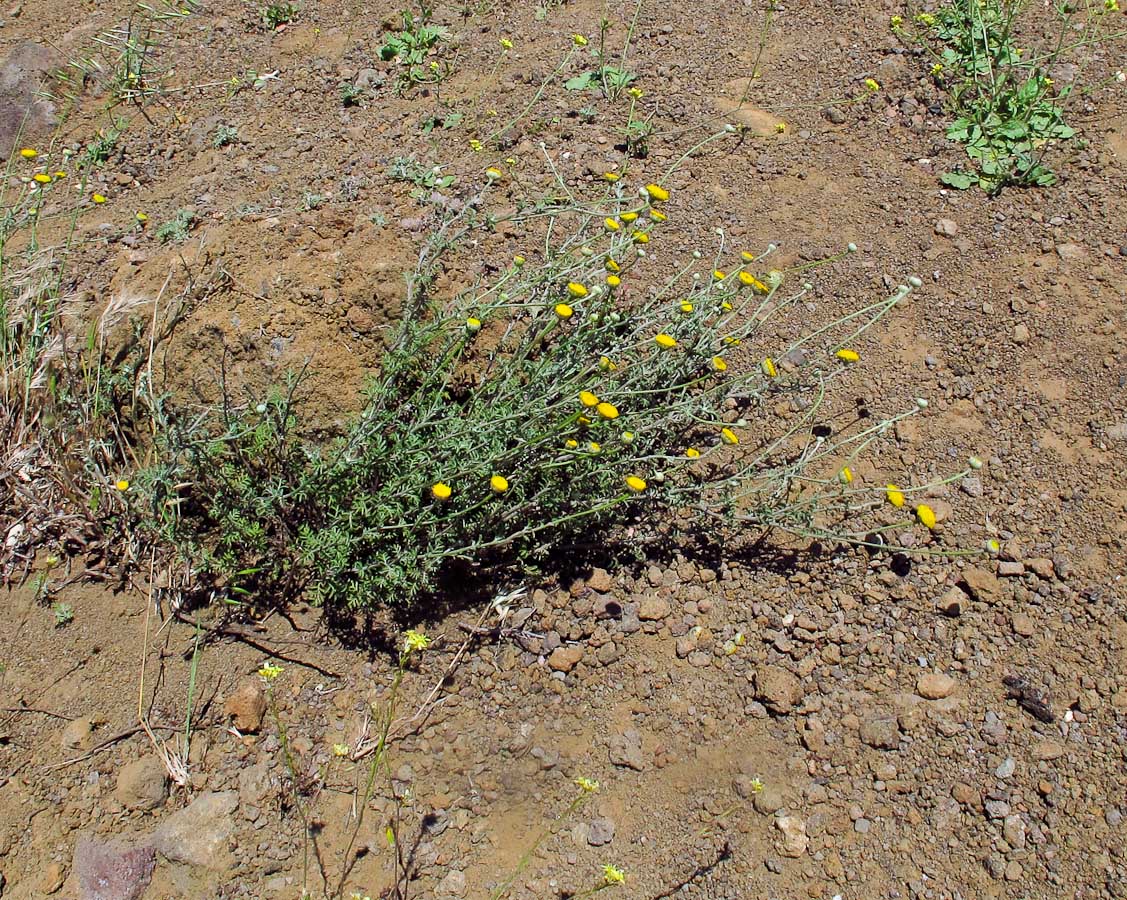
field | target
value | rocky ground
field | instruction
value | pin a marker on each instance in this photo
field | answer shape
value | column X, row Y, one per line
column 769, row 722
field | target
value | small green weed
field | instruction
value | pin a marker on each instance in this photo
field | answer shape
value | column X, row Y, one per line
column 64, row 614
column 177, row 229
column 1008, row 111
column 275, row 15
column 418, row 41
column 426, row 179
column 350, row 94
column 225, row 135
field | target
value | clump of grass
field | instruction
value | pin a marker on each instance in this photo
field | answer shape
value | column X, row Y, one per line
column 1008, row 111
column 549, row 406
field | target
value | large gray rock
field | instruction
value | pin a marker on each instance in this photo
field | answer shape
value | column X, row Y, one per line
column 24, row 112
column 199, row 835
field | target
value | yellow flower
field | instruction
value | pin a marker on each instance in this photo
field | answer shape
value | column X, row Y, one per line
column 718, row 275
column 657, row 193
column 628, row 437
column 613, row 875
column 576, row 290
column 476, row 146
column 846, row 355
column 473, row 326
column 611, row 266
column 269, row 672
column 780, row 128
column 607, row 410
column 636, row 93
column 896, row 21
column 60, row 174
column 640, row 237
column 28, row 153
column 937, row 69
column 588, row 399
column 607, row 364
column 493, row 173
column 415, row 640
column 895, row 495
column 584, row 421
column 726, row 306
column 611, row 177
column 614, row 280
column 629, row 217
column 845, row 476
column 499, row 484
column 769, row 369
column 728, row 436
column 872, row 84
column 926, row 515
column 732, row 341
column 587, row 785
column 141, row 217
column 121, row 484
column 340, row 750
column 686, row 307
column 611, row 224
column 747, row 256
column 718, row 364
column 666, row 341
column 41, row 178
column 564, row 311
column 754, row 283
column 657, row 215
column 692, row 453
column 579, row 40
column 441, row 491
column 98, row 198
column 519, row 261
column 594, row 448
column 757, row 786
column 571, row 444
column 506, row 44
column 636, row 484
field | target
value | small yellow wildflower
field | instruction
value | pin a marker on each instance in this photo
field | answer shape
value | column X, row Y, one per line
column 493, row 173
column 896, row 21
column 340, row 750
column 846, row 355
column 613, row 280
column 577, row 290
column 141, row 218
column 636, row 484
column 579, row 40
column 726, row 306
column 752, row 282
column 121, row 484
column 993, row 547
column 657, row 193
column 728, row 436
column 519, row 261
column 98, row 198
column 640, row 237
column 665, row 341
column 628, row 217
column 506, row 44
column 872, row 84
column 895, row 495
column 607, row 364
column 612, row 177
column 28, row 153
column 584, row 421
column 41, row 178
column 594, row 448
column 588, row 399
column 686, row 307
column 780, row 128
column 571, row 443
column 628, row 437
column 441, row 491
column 587, row 785
column 926, row 515
column 564, row 311
column 658, row 216
column 476, row 146
column 845, row 476
column 769, row 368
column 269, row 672
column 611, row 265
column 732, row 341
column 473, row 326
column 612, row 224
column 607, row 410
column 636, row 93
column 613, row 875
column 60, row 174
column 499, row 484
column 718, row 275
column 415, row 641
column 937, row 69
column 757, row 785
column 692, row 453
column 747, row 256
column 719, row 364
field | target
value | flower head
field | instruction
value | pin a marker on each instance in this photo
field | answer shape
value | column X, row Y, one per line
column 692, row 453
column 611, row 224
column 845, row 476
column 506, row 44
column 98, row 198
column 28, row 153
column 579, row 40
column 41, row 178
column 719, row 364
column 588, row 399
column 499, row 484
column 594, row 448
column 611, row 266
column 686, row 307
column 665, row 341
column 473, row 326
column 754, row 283
column 606, row 364
column 613, row 875
column 728, row 436
column 607, row 410
column 717, row 275
column 612, row 177
column 269, row 672
column 122, row 484
column 564, row 311
column 571, row 443
column 658, row 216
column 640, row 237
column 769, row 368
column 926, row 515
column 872, row 84
column 657, row 193
column 493, row 173
column 476, row 146
column 441, row 491
column 587, row 785
column 415, row 641
column 846, row 355
column 895, row 495
column 636, row 484
column 577, row 290
column 628, row 437
column 613, row 281
column 519, row 261
column 629, row 217
column 780, row 128
column 340, row 750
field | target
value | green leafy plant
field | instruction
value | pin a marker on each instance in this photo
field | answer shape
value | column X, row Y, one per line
column 275, row 15
column 426, row 179
column 64, row 614
column 1009, row 113
column 411, row 47
column 350, row 94
column 224, row 135
column 177, row 229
